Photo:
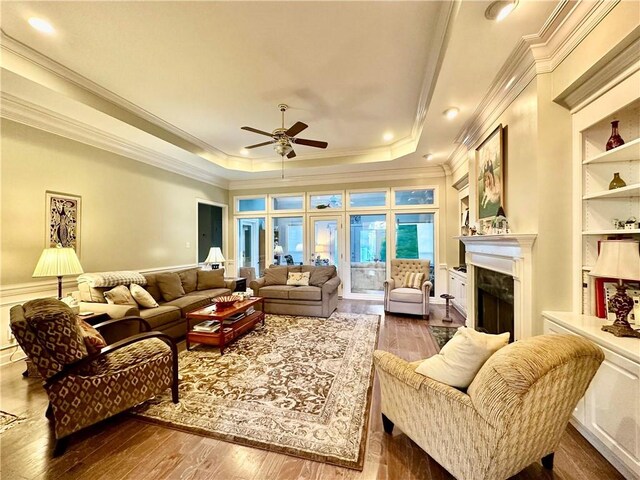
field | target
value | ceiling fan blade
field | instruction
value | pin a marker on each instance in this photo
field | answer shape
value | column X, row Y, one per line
column 259, row 145
column 310, row 143
column 255, row 130
column 291, row 154
column 296, row 129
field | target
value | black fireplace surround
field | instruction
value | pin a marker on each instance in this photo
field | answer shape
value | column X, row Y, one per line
column 494, row 302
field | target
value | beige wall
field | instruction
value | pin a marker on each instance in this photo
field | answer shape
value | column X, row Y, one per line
column 134, row 216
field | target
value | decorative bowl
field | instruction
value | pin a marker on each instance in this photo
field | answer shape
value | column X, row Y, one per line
column 226, row 301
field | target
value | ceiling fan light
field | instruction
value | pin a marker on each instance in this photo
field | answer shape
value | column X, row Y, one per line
column 282, row 149
column 500, row 9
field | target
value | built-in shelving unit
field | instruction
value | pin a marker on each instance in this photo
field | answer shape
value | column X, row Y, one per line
column 623, row 192
column 628, row 152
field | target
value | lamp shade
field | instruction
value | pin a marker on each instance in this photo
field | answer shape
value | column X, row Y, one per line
column 618, row 259
column 57, row 262
column 215, row 256
column 278, row 250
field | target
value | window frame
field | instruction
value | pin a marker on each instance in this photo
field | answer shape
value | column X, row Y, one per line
column 436, row 196
column 272, row 197
column 386, row 205
column 342, row 194
column 236, row 204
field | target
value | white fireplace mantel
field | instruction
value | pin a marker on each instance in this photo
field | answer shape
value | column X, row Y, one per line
column 512, row 255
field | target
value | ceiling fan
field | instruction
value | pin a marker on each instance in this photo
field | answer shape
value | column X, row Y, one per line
column 282, row 138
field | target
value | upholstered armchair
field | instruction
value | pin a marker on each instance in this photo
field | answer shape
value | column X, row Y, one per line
column 85, row 388
column 513, row 413
column 398, row 299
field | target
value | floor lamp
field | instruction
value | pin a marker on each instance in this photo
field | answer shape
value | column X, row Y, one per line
column 58, row 261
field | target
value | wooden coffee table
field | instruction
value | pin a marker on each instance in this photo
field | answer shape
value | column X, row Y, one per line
column 227, row 333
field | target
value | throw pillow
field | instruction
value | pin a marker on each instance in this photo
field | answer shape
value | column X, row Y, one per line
column 120, row 295
column 142, row 297
column 92, row 338
column 189, row 279
column 413, row 280
column 170, row 286
column 275, row 276
column 319, row 275
column 211, row 279
column 462, row 357
column 298, row 279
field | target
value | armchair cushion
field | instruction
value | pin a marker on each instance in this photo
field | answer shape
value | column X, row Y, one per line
column 406, row 295
column 56, row 328
column 92, row 338
column 413, row 280
column 462, row 357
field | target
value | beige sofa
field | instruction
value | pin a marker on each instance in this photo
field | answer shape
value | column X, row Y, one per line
column 319, row 299
column 169, row 317
column 513, row 413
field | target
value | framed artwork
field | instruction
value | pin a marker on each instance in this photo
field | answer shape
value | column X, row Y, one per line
column 63, row 220
column 490, row 169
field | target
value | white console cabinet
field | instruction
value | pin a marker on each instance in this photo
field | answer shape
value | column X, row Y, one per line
column 609, row 413
column 458, row 288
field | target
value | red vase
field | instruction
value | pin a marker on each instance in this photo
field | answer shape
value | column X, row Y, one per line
column 615, row 140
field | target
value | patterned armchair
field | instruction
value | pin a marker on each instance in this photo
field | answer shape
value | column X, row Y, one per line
column 86, row 388
column 407, row 300
column 513, row 413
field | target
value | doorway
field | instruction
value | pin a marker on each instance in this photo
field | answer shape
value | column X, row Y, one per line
column 210, row 229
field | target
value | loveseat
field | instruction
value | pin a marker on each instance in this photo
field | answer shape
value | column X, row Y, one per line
column 318, row 299
column 175, row 298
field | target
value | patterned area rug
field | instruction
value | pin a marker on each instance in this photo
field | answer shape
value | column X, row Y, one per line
column 442, row 334
column 8, row 420
column 298, row 385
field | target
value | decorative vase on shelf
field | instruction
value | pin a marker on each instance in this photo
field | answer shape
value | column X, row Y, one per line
column 617, row 182
column 615, row 140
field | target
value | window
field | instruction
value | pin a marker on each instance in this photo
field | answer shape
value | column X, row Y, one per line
column 255, row 204
column 415, row 238
column 325, row 201
column 288, row 240
column 290, row 202
column 368, row 199
column 251, row 243
column 414, row 197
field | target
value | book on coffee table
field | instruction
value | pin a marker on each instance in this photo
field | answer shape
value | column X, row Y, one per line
column 208, row 326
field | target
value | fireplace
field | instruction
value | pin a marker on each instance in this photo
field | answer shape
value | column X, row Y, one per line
column 494, row 302
column 506, row 304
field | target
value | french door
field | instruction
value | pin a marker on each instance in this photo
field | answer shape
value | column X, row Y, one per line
column 326, row 240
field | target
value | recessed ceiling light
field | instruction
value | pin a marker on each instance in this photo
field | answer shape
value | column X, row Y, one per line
column 509, row 83
column 41, row 25
column 428, row 156
column 244, row 152
column 451, row 113
column 500, row 9
column 387, row 137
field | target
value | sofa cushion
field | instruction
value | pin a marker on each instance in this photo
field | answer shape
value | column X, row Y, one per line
column 210, row 293
column 276, row 291
column 92, row 294
column 152, row 286
column 462, row 357
column 210, row 279
column 275, row 276
column 305, row 293
column 112, row 279
column 298, row 279
column 157, row 317
column 189, row 279
column 170, row 286
column 294, row 269
column 406, row 295
column 119, row 295
column 142, row 297
column 188, row 303
column 319, row 275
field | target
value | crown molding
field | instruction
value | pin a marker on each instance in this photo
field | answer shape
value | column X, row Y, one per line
column 569, row 23
column 356, row 176
column 27, row 113
column 619, row 64
column 10, row 44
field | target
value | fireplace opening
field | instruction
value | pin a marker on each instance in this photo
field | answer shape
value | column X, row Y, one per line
column 494, row 300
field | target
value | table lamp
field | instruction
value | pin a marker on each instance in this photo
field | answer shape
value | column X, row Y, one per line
column 278, row 251
column 56, row 262
column 215, row 258
column 619, row 259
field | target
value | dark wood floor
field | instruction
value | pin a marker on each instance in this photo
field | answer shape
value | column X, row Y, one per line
column 123, row 447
